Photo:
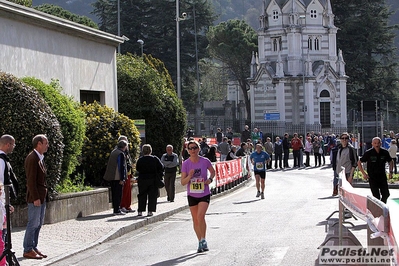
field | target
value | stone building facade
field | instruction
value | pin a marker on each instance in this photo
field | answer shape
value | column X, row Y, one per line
column 298, row 74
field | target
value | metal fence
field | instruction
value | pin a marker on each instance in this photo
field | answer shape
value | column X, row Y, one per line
column 207, row 127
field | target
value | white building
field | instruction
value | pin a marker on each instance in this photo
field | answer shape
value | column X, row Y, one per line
column 36, row 44
column 298, row 75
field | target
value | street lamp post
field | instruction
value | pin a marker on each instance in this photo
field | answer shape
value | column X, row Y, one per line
column 178, row 81
column 119, row 25
column 141, row 42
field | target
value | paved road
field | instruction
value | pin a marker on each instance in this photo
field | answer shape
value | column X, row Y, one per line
column 283, row 229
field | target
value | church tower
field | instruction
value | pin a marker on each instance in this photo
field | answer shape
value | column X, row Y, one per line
column 300, row 77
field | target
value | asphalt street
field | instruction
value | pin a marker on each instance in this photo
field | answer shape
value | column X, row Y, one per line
column 286, row 228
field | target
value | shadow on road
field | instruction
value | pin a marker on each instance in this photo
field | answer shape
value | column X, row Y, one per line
column 177, row 261
column 245, row 202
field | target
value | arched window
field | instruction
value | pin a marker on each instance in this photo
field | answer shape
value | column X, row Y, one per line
column 325, row 106
column 310, row 43
column 324, row 93
column 316, row 44
column 275, row 45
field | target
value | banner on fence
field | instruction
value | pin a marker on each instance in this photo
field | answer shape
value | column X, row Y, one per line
column 228, row 171
column 350, row 198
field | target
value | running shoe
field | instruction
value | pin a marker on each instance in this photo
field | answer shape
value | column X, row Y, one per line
column 204, row 245
column 200, row 247
column 258, row 194
column 262, row 195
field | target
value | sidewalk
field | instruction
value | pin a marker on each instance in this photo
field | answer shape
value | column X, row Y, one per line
column 64, row 239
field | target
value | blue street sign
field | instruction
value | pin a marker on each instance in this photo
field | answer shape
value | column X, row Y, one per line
column 272, row 116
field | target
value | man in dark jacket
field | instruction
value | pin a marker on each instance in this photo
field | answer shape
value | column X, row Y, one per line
column 117, row 173
column 246, row 134
column 242, row 150
column 36, row 194
column 286, row 150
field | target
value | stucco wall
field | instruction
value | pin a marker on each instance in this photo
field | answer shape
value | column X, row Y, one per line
column 28, row 49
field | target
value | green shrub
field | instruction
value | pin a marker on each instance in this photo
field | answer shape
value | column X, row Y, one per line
column 71, row 118
column 24, row 114
column 65, row 14
column 27, row 3
column 145, row 91
column 77, row 185
column 103, row 128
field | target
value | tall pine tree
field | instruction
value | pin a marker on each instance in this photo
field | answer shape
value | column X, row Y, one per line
column 367, row 41
column 154, row 22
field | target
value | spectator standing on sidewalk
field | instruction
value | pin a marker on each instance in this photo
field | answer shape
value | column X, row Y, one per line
column 308, row 150
column 278, row 153
column 195, row 175
column 170, row 161
column 219, row 136
column 242, row 151
column 126, row 200
column 255, row 136
column 204, row 147
column 269, row 149
column 322, row 151
column 393, row 149
column 7, row 176
column 245, row 134
column 229, row 134
column 232, row 154
column 296, row 145
column 116, row 173
column 259, row 159
column 376, row 158
column 211, row 155
column 316, row 146
column 150, row 168
column 286, row 150
column 36, row 195
column 224, row 149
column 346, row 157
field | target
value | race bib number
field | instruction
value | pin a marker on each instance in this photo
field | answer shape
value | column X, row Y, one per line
column 259, row 166
column 197, row 185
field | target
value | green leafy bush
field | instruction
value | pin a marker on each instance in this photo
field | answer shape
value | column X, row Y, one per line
column 65, row 14
column 145, row 91
column 71, row 118
column 27, row 3
column 103, row 128
column 24, row 114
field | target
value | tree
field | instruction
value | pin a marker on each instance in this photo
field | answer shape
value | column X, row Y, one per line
column 233, row 42
column 103, row 127
column 155, row 23
column 24, row 114
column 27, row 3
column 145, row 91
column 70, row 117
column 367, row 42
column 65, row 14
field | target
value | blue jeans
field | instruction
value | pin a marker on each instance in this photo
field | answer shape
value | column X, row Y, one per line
column 35, row 222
